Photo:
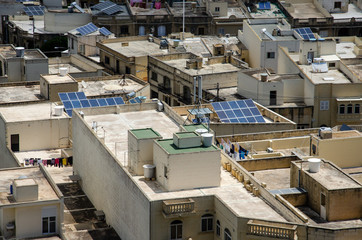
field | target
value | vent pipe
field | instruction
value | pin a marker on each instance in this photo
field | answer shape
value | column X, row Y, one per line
column 200, row 88
column 195, row 79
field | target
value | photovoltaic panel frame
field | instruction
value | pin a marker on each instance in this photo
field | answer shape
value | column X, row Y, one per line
column 104, row 31
column 239, row 111
column 34, row 10
column 103, row 5
column 87, row 29
column 305, row 33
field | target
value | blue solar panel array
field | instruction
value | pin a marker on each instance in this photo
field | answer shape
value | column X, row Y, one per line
column 135, row 100
column 305, row 33
column 240, row 111
column 105, row 31
column 87, row 29
column 108, row 7
column 72, row 100
column 34, row 10
column 264, row 6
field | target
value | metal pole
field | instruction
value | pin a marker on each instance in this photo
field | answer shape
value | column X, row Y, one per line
column 183, row 19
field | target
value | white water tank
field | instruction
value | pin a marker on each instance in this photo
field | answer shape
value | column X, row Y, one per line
column 207, row 139
column 314, row 164
column 149, row 170
column 200, row 131
column 63, row 71
column 58, row 110
column 19, row 51
column 160, row 106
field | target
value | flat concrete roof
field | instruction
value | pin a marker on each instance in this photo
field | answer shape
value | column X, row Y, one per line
column 9, row 52
column 24, row 93
column 27, row 26
column 116, row 85
column 180, row 64
column 72, row 68
column 270, row 27
column 230, row 191
column 56, row 78
column 236, row 12
column 30, row 112
column 318, row 78
column 353, row 11
column 45, row 190
column 136, row 48
column 274, row 12
column 274, row 178
column 345, row 50
column 330, row 177
column 305, row 10
column 148, row 11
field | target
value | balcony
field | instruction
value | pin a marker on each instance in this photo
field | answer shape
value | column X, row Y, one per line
column 164, row 89
column 178, row 207
column 272, row 230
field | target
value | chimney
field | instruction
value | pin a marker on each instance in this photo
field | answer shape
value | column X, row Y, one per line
column 264, row 77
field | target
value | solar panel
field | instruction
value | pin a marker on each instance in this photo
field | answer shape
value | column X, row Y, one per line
column 241, row 111
column 34, row 10
column 74, row 4
column 138, row 100
column 261, row 6
column 103, row 5
column 72, row 100
column 267, row 6
column 104, row 31
column 112, row 9
column 132, row 101
column 87, row 29
column 305, row 33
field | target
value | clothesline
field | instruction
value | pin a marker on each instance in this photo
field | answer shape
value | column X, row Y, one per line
column 56, row 162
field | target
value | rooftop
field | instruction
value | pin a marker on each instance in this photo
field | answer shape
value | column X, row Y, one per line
column 330, row 177
column 145, row 133
column 273, row 12
column 30, row 112
column 148, row 11
column 136, row 48
column 353, row 12
column 345, row 50
column 45, row 191
column 180, row 64
column 334, row 76
column 8, row 51
column 27, row 26
column 24, row 93
column 93, row 87
column 57, row 79
column 304, row 9
column 270, row 27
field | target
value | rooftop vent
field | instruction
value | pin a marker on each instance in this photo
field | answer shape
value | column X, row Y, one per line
column 264, row 77
column 63, row 71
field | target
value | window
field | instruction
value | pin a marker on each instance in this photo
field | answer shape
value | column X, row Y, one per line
column 176, row 230
column 207, row 222
column 218, row 227
column 106, row 60
column 49, row 225
column 124, row 29
column 227, row 234
column 221, row 31
column 332, row 65
column 154, row 76
column 349, row 108
column 72, row 40
column 270, row 54
column 324, row 105
column 323, row 199
column 217, row 9
column 356, row 108
column 166, row 82
column 341, row 109
column 337, row 4
column 201, row 31
column 314, row 149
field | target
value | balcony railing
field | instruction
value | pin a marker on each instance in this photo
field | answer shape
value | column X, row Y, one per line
column 164, row 88
column 272, row 230
column 178, row 207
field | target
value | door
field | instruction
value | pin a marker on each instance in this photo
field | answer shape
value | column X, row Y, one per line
column 117, row 66
column 15, row 143
column 273, row 98
column 310, row 56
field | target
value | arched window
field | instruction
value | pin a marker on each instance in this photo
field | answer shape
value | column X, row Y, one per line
column 349, row 108
column 356, row 108
column 207, row 223
column 341, row 109
column 227, row 234
column 218, row 228
column 176, row 230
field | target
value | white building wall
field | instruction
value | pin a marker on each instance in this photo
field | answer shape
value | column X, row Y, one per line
column 293, row 90
column 33, row 69
column 329, row 5
column 252, row 42
column 108, row 185
column 61, row 22
column 248, row 86
column 45, row 134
